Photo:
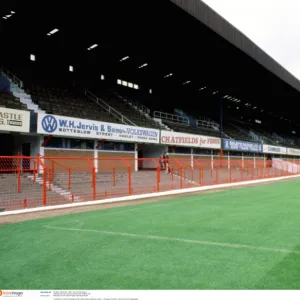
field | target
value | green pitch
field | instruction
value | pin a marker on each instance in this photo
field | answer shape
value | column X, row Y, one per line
column 240, row 239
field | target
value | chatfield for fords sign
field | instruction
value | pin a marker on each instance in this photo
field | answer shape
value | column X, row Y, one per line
column 189, row 140
column 74, row 127
column 14, row 120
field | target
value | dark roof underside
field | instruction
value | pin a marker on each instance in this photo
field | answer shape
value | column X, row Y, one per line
column 211, row 19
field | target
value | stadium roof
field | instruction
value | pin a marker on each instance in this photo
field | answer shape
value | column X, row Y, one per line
column 181, row 50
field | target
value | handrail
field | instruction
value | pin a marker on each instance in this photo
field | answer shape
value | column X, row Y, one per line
column 171, row 118
column 13, row 77
column 242, row 130
column 108, row 108
column 207, row 124
column 203, row 118
column 136, row 104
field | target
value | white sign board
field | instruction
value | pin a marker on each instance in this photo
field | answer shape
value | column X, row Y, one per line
column 274, row 149
column 14, row 120
column 80, row 128
column 286, row 166
column 189, row 140
column 291, row 151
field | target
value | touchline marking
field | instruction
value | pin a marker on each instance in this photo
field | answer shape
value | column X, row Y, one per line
column 126, row 211
column 171, row 239
column 113, row 213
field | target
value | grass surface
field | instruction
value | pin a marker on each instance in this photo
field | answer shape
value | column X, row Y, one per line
column 240, row 239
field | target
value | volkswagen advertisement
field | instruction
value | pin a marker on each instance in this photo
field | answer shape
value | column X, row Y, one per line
column 79, row 128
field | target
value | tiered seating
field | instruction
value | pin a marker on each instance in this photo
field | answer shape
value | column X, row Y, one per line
column 189, row 129
column 263, row 136
column 8, row 100
column 234, row 133
column 142, row 182
column 285, row 140
column 68, row 103
column 137, row 117
column 255, row 132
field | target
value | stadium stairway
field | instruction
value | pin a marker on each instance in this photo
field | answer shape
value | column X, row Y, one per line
column 25, row 98
column 11, row 198
column 55, row 189
column 18, row 91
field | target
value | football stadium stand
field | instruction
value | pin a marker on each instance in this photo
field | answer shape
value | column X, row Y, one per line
column 79, row 132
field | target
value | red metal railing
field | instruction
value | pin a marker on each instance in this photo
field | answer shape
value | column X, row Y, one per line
column 39, row 181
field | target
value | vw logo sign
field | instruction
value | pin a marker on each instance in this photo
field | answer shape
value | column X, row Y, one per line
column 49, row 123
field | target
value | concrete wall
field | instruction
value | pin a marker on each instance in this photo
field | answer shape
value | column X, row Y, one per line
column 34, row 141
column 152, row 151
column 181, row 159
column 205, row 161
column 66, row 158
column 78, row 160
column 108, row 162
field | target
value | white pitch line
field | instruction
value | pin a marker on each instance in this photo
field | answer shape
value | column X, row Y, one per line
column 127, row 211
column 113, row 213
column 109, row 214
column 172, row 239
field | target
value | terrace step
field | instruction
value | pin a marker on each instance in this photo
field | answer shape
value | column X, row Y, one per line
column 54, row 188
